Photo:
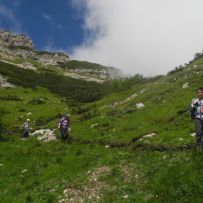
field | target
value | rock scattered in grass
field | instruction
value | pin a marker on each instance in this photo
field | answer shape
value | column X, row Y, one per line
column 52, row 190
column 24, row 171
column 186, row 85
column 142, row 91
column 94, row 125
column 149, row 135
column 140, row 105
column 65, row 192
column 92, row 191
column 193, row 134
column 125, row 196
column 89, row 172
column 45, row 135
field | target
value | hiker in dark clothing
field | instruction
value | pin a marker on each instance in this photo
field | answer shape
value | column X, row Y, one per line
column 64, row 125
column 196, row 110
column 26, row 128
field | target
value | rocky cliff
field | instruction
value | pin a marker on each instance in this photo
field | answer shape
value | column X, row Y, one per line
column 21, row 50
column 9, row 39
column 20, row 45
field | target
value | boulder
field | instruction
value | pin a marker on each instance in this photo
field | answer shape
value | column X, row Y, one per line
column 45, row 135
column 140, row 105
column 149, row 135
column 186, row 85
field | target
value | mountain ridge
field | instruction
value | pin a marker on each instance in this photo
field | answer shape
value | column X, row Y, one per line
column 21, row 50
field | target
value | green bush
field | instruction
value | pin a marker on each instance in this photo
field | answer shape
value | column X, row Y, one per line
column 74, row 64
column 11, row 98
column 41, row 121
column 37, row 101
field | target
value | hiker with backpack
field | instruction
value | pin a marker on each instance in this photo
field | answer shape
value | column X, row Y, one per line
column 26, row 128
column 64, row 126
column 196, row 110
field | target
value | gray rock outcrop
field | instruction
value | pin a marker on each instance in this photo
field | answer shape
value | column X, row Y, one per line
column 45, row 135
column 20, row 49
column 10, row 39
column 4, row 83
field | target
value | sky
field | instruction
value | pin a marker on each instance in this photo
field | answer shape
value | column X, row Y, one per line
column 137, row 36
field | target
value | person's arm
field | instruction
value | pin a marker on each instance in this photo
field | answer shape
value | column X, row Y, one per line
column 194, row 103
column 59, row 124
column 193, row 107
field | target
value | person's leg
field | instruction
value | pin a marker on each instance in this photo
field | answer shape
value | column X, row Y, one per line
column 201, row 137
column 24, row 134
column 61, row 131
column 198, row 129
column 65, row 134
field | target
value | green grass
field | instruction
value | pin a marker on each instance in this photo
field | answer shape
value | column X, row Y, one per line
column 36, row 172
column 163, row 168
column 74, row 64
column 19, row 104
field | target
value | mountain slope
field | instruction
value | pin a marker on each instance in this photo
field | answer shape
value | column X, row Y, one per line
column 73, row 89
column 135, row 143
column 19, row 49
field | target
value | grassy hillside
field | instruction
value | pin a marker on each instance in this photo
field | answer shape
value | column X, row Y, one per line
column 37, row 104
column 36, row 172
column 73, row 89
column 110, row 158
column 118, row 120
column 74, row 64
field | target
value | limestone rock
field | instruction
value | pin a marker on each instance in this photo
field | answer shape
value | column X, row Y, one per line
column 4, row 83
column 45, row 135
column 186, row 85
column 149, row 135
column 140, row 105
column 10, row 39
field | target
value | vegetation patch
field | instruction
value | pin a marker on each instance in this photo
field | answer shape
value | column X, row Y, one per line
column 11, row 98
column 77, row 90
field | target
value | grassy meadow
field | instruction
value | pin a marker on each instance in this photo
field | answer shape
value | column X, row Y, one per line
column 133, row 143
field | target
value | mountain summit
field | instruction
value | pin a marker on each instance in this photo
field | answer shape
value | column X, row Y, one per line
column 20, row 50
column 9, row 39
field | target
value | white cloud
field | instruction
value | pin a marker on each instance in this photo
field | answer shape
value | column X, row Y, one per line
column 52, row 22
column 47, row 17
column 7, row 13
column 141, row 36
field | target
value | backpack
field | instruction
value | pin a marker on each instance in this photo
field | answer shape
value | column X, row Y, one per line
column 26, row 126
column 64, row 123
column 192, row 112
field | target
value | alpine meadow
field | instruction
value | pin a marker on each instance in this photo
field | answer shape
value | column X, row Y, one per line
column 131, row 140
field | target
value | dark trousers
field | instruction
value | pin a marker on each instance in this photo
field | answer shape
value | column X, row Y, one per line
column 25, row 133
column 64, row 133
column 199, row 132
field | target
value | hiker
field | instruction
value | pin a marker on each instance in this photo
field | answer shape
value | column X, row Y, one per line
column 196, row 110
column 64, row 125
column 26, row 128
